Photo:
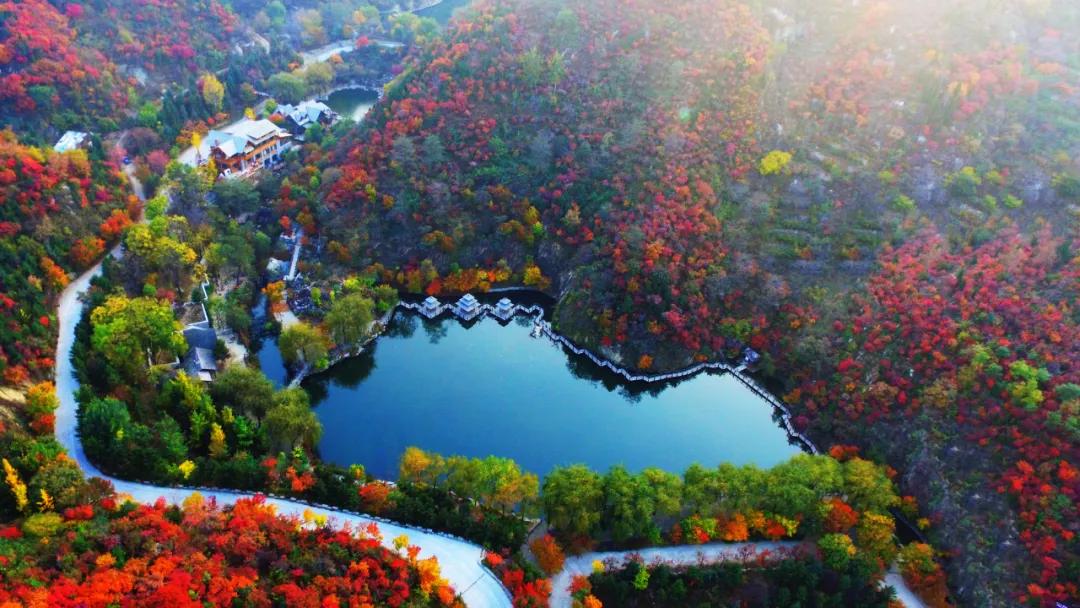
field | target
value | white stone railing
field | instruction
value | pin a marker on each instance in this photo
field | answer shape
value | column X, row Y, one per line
column 543, row 327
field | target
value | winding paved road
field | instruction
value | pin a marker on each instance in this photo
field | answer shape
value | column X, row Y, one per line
column 459, row 560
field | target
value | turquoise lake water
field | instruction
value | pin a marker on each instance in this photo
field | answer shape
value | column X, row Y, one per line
column 352, row 103
column 492, row 389
column 443, row 11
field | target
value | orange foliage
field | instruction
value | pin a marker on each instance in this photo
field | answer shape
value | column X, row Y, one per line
column 548, row 554
column 841, row 517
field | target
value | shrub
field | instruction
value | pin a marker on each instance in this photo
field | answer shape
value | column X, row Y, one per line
column 774, row 162
column 903, row 203
column 548, row 554
column 42, row 525
column 836, row 550
column 964, row 183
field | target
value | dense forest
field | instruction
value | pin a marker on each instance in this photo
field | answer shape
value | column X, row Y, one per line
column 880, row 199
column 60, row 213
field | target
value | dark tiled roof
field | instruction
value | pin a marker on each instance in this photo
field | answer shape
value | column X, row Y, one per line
column 198, row 337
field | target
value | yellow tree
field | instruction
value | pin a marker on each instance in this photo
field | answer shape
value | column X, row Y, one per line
column 419, row 466
column 18, row 488
column 213, row 92
column 218, row 447
column 875, row 537
column 46, row 502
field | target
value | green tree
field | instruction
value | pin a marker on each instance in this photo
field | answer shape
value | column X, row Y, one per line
column 386, row 297
column 302, row 343
column 229, row 312
column 464, row 475
column 867, row 487
column 62, row 479
column 434, row 151
column 287, row 87
column 155, row 207
column 629, row 505
column 244, row 389
column 666, row 491
column 504, row 485
column 290, row 422
column 566, row 32
column 836, row 550
column 231, row 255
column 701, row 490
column 128, row 331
column 795, row 488
column 349, row 319
column 102, row 424
column 532, row 67
column 573, row 499
column 276, row 11
column 403, row 153
column 318, row 77
column 236, row 196
column 148, row 115
column 189, row 400
column 740, row 487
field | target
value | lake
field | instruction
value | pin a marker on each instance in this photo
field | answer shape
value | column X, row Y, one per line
column 352, row 103
column 488, row 389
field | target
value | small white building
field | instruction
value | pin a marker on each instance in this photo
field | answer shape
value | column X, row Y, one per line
column 72, row 140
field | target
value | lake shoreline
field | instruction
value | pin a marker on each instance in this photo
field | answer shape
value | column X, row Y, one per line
column 781, row 411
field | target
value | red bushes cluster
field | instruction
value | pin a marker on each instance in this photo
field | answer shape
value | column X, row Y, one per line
column 204, row 555
column 525, row 593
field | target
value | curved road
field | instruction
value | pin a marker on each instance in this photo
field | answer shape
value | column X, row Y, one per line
column 459, row 560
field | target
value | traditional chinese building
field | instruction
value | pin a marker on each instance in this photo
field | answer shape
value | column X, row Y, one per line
column 299, row 117
column 247, row 146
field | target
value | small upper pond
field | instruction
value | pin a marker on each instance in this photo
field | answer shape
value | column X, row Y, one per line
column 352, row 103
column 488, row 389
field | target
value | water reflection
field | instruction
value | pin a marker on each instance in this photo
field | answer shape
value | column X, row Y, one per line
column 489, row 388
